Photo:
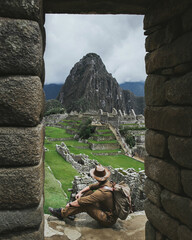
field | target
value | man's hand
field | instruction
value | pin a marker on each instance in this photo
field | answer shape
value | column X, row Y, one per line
column 73, row 204
column 67, row 205
column 78, row 195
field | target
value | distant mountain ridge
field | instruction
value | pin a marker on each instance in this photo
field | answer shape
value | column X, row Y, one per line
column 90, row 87
column 135, row 87
column 52, row 90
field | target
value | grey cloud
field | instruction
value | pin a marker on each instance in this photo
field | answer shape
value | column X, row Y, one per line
column 118, row 39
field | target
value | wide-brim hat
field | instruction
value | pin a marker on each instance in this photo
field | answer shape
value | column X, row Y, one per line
column 100, row 173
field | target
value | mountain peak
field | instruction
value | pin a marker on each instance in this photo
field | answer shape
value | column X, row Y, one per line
column 90, row 87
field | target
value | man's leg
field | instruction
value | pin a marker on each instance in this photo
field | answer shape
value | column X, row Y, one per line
column 104, row 219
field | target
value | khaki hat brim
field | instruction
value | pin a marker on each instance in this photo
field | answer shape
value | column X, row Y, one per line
column 108, row 173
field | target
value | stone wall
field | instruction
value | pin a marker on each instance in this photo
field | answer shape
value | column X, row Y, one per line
column 168, row 25
column 83, row 165
column 168, row 90
column 21, row 110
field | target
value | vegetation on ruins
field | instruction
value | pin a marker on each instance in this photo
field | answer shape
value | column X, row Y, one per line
column 130, row 140
column 85, row 129
column 53, row 106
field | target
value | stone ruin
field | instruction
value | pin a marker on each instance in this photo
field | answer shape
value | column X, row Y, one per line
column 83, row 165
column 168, row 113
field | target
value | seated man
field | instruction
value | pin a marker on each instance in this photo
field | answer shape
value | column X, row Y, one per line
column 98, row 204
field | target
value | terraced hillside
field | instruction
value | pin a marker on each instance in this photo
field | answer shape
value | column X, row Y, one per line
column 59, row 174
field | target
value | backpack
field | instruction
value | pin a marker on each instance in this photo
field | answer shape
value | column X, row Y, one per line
column 122, row 199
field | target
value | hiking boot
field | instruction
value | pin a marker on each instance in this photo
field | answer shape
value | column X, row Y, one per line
column 56, row 212
column 72, row 217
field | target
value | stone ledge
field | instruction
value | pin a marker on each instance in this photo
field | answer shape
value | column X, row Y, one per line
column 21, row 146
column 21, row 187
column 161, row 221
column 21, row 101
column 171, row 119
column 32, row 234
column 27, row 9
column 21, row 47
column 96, row 6
column 164, row 173
column 178, row 207
column 19, row 220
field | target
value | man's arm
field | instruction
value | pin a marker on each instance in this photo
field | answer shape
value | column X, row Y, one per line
column 79, row 194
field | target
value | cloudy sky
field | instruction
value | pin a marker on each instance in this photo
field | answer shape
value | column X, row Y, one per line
column 118, row 39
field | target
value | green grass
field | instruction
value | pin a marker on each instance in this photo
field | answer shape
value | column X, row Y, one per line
column 103, row 135
column 105, row 141
column 54, row 132
column 74, row 143
column 117, row 161
column 107, row 151
column 103, row 130
column 54, row 195
column 63, row 171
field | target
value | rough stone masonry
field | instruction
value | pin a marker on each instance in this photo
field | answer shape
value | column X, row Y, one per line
column 168, row 27
column 21, row 111
column 168, row 94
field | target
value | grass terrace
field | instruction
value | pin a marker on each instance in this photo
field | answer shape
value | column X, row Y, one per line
column 60, row 174
column 54, row 132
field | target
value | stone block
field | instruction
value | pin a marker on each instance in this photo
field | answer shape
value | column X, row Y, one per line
column 187, row 20
column 96, row 7
column 155, row 40
column 171, row 119
column 164, row 173
column 180, row 150
column 184, row 233
column 153, row 191
column 22, row 9
column 21, row 146
column 21, row 101
column 150, row 233
column 155, row 90
column 178, row 90
column 170, row 55
column 159, row 236
column 21, row 47
column 186, row 179
column 161, row 221
column 180, row 69
column 165, row 35
column 156, row 144
column 21, row 187
column 21, row 220
column 25, row 235
column 178, row 207
column 162, row 11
